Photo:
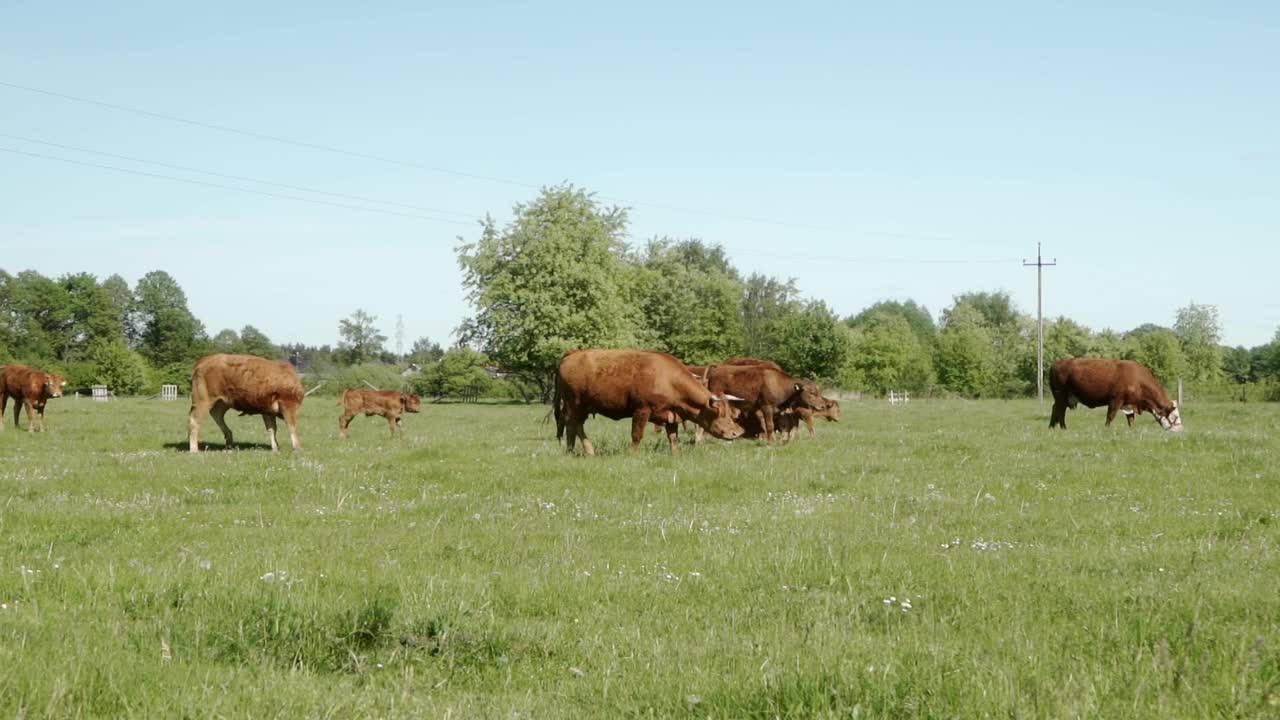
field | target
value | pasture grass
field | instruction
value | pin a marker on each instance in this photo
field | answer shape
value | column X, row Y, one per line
column 947, row 559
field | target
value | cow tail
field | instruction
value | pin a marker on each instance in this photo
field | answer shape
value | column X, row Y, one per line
column 557, row 409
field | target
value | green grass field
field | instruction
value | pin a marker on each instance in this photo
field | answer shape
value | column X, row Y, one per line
column 946, row 559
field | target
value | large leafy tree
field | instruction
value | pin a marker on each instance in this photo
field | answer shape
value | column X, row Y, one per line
column 916, row 316
column 460, row 371
column 255, row 342
column 166, row 331
column 886, row 353
column 95, row 316
column 690, row 298
column 1199, row 330
column 360, row 338
column 1161, row 351
column 766, row 301
column 810, row 343
column 553, row 279
column 965, row 353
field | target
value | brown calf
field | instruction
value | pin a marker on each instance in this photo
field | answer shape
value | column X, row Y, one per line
column 390, row 404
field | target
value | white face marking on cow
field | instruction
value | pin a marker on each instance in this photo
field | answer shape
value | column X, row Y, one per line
column 1174, row 420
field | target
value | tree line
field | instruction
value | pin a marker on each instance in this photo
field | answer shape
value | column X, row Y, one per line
column 561, row 274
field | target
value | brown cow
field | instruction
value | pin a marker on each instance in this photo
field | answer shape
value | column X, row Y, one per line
column 644, row 386
column 1118, row 384
column 752, row 361
column 764, row 390
column 390, row 404
column 30, row 388
column 249, row 384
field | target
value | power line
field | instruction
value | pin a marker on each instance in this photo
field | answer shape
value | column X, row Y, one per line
column 348, row 206
column 242, row 178
column 447, row 171
column 220, row 186
column 876, row 260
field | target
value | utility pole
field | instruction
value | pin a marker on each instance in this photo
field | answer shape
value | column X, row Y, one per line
column 1040, row 265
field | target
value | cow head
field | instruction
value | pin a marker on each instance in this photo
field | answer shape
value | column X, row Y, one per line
column 807, row 394
column 54, row 385
column 1169, row 417
column 410, row 402
column 832, row 413
column 719, row 417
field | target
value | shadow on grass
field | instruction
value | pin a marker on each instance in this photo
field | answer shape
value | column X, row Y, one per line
column 185, row 446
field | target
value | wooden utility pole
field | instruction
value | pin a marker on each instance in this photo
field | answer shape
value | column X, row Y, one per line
column 1040, row 265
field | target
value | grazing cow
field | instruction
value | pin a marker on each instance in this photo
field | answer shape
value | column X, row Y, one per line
column 764, row 390
column 644, row 386
column 753, row 361
column 250, row 385
column 1118, row 384
column 30, row 388
column 390, row 404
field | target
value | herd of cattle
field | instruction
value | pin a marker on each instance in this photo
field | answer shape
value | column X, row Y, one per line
column 738, row 398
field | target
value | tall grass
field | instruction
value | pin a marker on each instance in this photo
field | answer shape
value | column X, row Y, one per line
column 944, row 559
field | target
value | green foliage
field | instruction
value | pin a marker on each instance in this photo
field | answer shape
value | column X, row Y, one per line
column 425, row 352
column 965, row 357
column 166, row 331
column 810, row 343
column 690, row 298
column 361, row 340
column 916, row 316
column 766, row 302
column 460, row 372
column 1160, row 351
column 1199, row 330
column 886, row 354
column 254, row 342
column 553, row 279
column 122, row 370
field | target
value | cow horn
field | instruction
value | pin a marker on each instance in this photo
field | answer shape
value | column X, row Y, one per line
column 727, row 396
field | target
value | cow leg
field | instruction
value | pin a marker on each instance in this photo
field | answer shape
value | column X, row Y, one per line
column 1058, row 415
column 31, row 415
column 581, row 430
column 698, row 434
column 393, row 422
column 673, row 436
column 1129, row 416
column 4, row 407
column 40, row 417
column 290, row 413
column 638, row 423
column 270, row 422
column 808, row 422
column 767, row 417
column 198, row 410
column 216, row 412
column 343, row 423
column 1112, row 409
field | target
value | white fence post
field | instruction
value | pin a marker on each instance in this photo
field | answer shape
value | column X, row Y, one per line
column 168, row 392
column 100, row 393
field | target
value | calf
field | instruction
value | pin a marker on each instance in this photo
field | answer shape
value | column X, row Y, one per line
column 30, row 388
column 390, row 404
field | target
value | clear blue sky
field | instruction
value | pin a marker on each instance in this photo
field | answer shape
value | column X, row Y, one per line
column 1139, row 141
